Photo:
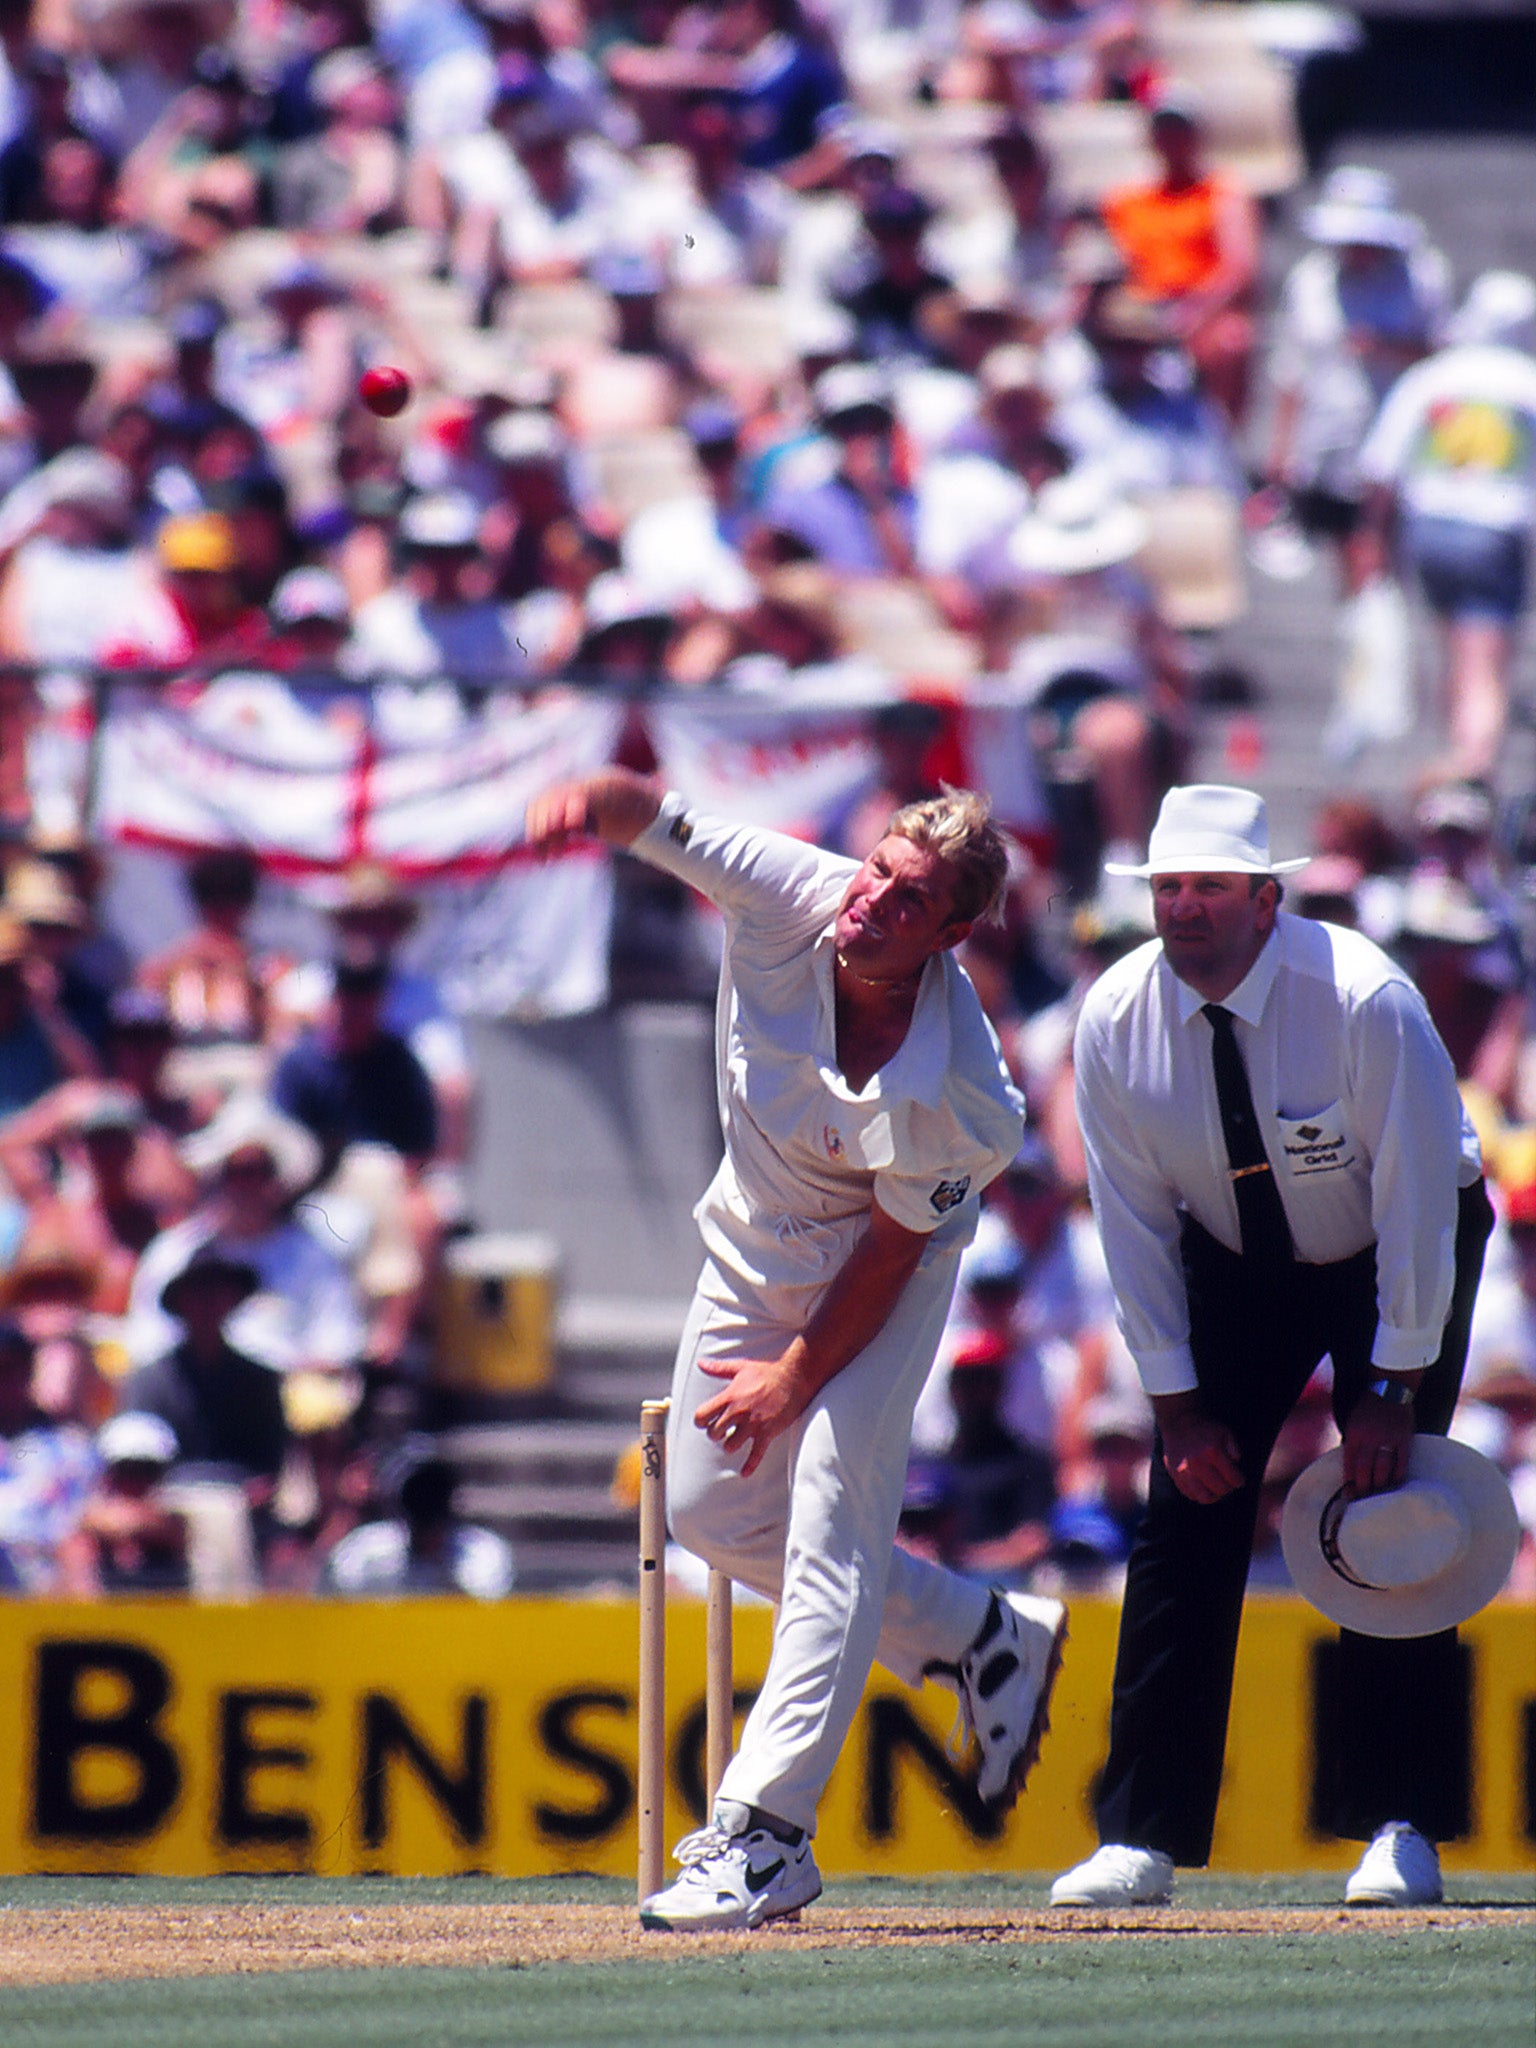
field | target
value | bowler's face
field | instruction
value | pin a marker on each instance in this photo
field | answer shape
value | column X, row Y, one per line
column 898, row 909
column 1213, row 927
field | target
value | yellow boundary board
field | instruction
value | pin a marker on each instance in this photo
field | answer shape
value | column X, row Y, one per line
column 436, row 1736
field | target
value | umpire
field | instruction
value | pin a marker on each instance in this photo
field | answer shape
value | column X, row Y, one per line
column 1280, row 1170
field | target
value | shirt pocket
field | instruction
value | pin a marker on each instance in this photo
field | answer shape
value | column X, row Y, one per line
column 1316, row 1144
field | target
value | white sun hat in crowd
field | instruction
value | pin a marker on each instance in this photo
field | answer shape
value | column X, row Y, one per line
column 1358, row 207
column 137, row 1438
column 250, row 1123
column 1077, row 524
column 1411, row 1562
column 1209, row 828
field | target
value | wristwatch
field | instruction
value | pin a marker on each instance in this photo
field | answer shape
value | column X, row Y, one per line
column 1392, row 1389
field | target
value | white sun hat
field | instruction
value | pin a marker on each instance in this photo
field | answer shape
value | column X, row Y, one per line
column 1358, row 206
column 249, row 1122
column 1076, row 524
column 1411, row 1562
column 1208, row 828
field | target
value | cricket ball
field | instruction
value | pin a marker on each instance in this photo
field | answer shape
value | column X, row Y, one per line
column 384, row 389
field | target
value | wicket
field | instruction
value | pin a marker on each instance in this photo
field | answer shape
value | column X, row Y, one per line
column 719, row 1678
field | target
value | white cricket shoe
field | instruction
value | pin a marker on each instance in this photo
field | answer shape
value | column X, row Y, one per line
column 1400, row 1868
column 1117, row 1876
column 1005, row 1680
column 738, row 1872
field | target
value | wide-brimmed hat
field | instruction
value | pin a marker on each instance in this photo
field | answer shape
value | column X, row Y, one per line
column 1358, row 207
column 250, row 1122
column 1076, row 525
column 850, row 391
column 37, row 894
column 1406, row 1563
column 209, row 1262
column 137, row 1438
column 1207, row 828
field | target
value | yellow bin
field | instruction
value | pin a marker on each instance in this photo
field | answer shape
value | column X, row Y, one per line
column 497, row 1312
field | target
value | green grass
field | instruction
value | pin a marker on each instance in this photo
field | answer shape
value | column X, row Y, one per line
column 1360, row 1985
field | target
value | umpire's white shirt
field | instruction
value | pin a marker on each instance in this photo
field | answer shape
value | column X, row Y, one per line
column 1356, row 1099
column 805, row 1153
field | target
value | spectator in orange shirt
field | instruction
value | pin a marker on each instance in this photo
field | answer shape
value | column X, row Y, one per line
column 1191, row 243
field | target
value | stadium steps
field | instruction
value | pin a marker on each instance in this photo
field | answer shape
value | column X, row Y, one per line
column 545, row 1482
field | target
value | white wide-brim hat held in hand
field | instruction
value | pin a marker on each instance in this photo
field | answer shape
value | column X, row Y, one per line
column 1411, row 1562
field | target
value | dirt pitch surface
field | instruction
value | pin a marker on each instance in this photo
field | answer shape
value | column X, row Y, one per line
column 105, row 1944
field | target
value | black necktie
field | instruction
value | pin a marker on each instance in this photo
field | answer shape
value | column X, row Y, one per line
column 1260, row 1211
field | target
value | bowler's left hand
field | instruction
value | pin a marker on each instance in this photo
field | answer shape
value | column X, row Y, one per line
column 760, row 1403
column 1376, row 1441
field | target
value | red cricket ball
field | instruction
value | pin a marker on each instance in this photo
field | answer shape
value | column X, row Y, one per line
column 384, row 389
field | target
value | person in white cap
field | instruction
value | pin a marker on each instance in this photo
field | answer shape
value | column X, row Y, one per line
column 865, row 1106
column 1280, row 1169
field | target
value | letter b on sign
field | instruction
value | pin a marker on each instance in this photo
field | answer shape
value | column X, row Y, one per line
column 68, row 1730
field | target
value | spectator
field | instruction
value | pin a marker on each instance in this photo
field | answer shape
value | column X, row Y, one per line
column 424, row 1547
column 367, row 1100
column 727, row 225
column 889, row 282
column 999, row 1487
column 126, row 1540
column 88, row 261
column 195, row 613
column 209, row 981
column 1357, row 310
column 763, row 52
column 253, row 1164
column 1092, row 1527
column 225, row 1409
column 39, row 1047
column 1105, row 676
column 311, row 621
column 48, row 1466
column 73, row 1158
column 70, row 581
column 1453, row 456
column 1147, row 424
column 861, row 520
column 903, row 737
column 201, row 172
column 1191, row 246
column 348, row 179
column 373, row 911
column 439, row 619
column 351, row 1081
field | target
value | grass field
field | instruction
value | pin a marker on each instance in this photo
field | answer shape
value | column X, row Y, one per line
column 935, row 1965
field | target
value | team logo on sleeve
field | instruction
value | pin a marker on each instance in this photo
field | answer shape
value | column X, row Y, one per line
column 949, row 1194
column 680, row 831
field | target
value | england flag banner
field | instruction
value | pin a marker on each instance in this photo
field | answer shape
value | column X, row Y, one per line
column 407, row 779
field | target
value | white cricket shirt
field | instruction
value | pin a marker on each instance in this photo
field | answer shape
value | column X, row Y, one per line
column 805, row 1153
column 1356, row 1100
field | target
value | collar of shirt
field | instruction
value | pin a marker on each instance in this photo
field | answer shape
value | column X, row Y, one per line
column 1247, row 1000
column 918, row 1067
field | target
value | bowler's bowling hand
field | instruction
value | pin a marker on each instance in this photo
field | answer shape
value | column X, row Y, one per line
column 615, row 804
column 759, row 1403
column 1201, row 1454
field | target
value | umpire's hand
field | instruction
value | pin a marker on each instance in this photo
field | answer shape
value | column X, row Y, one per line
column 1377, row 1438
column 1200, row 1453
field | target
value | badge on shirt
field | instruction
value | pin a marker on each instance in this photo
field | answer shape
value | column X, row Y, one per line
column 949, row 1194
column 832, row 1138
column 680, row 831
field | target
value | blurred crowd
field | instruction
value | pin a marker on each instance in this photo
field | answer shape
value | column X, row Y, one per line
column 915, row 355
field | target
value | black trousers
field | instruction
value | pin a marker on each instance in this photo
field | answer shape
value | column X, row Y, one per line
column 1395, row 1703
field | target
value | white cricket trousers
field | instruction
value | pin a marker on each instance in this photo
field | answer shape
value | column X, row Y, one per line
column 814, row 1529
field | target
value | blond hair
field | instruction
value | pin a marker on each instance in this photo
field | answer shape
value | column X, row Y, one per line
column 958, row 827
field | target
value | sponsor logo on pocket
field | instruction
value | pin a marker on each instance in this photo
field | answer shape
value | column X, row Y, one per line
column 1314, row 1150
